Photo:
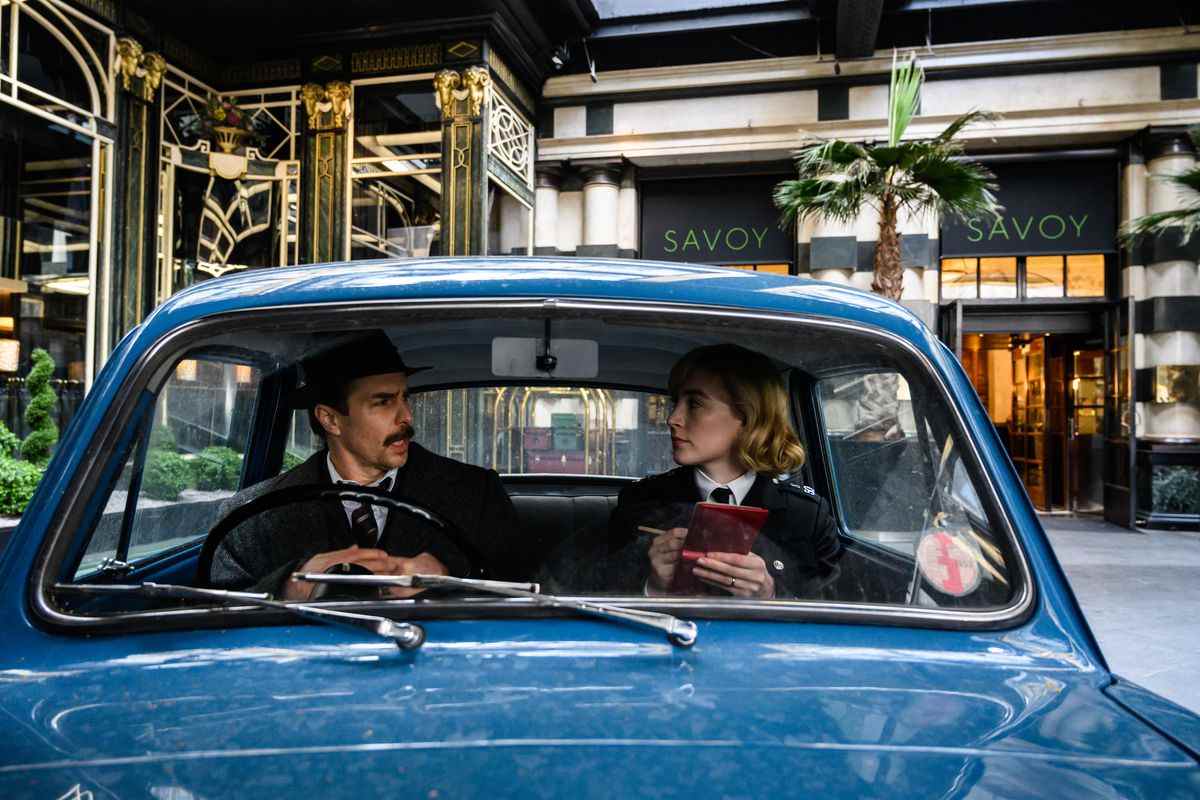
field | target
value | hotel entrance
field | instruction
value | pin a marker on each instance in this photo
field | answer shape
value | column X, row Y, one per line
column 1026, row 303
column 1045, row 395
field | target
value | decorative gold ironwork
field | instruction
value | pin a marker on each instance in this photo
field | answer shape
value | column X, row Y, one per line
column 463, row 49
column 262, row 72
column 446, row 88
column 396, row 58
column 329, row 106
column 133, row 62
column 477, row 80
column 510, row 138
column 129, row 58
column 155, row 67
column 327, row 63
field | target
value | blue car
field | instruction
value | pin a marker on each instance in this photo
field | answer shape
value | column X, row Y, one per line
column 914, row 637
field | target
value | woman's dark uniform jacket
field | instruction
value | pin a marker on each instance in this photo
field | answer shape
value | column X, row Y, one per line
column 799, row 541
column 264, row 550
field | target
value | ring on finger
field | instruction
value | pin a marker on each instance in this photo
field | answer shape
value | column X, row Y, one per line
column 732, row 582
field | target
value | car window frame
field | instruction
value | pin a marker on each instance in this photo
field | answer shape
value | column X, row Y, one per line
column 160, row 356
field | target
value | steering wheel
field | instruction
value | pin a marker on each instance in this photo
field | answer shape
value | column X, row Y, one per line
column 319, row 491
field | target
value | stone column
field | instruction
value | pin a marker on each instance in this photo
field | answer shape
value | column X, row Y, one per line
column 514, row 226
column 601, row 195
column 570, row 213
column 328, row 109
column 547, row 179
column 1168, row 346
column 133, row 284
column 833, row 251
column 628, row 235
column 462, row 98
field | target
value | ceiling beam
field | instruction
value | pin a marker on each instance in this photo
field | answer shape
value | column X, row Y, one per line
column 858, row 27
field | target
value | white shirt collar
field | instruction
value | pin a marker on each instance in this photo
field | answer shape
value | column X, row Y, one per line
column 390, row 475
column 739, row 486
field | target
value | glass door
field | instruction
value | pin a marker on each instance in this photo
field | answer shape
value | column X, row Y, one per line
column 1086, row 431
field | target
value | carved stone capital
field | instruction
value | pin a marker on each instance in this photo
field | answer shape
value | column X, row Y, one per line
column 134, row 63
column 155, row 67
column 445, row 87
column 327, row 107
column 451, row 88
column 129, row 58
column 477, row 79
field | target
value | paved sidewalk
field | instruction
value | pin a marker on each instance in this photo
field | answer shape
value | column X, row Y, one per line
column 1141, row 595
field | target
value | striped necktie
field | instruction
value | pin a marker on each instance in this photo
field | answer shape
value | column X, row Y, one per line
column 362, row 519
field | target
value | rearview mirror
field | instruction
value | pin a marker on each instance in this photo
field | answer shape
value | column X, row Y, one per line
column 519, row 357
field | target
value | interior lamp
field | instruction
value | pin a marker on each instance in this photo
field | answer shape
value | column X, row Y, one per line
column 10, row 355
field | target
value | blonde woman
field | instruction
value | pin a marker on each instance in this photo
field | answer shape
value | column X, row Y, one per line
column 731, row 436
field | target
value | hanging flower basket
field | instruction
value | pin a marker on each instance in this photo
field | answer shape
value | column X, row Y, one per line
column 226, row 125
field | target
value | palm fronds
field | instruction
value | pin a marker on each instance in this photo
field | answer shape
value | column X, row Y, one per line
column 1186, row 218
column 904, row 97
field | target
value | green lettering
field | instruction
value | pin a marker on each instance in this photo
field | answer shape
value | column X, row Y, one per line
column 758, row 237
column 998, row 225
column 1028, row 225
column 1078, row 225
column 712, row 243
column 1062, row 226
column 745, row 239
column 691, row 240
column 976, row 233
column 669, row 236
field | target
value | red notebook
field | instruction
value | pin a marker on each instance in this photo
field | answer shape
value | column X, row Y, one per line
column 715, row 528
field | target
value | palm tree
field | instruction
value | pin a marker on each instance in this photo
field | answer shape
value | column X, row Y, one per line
column 1187, row 218
column 838, row 179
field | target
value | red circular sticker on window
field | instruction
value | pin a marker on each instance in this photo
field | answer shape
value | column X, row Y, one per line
column 948, row 563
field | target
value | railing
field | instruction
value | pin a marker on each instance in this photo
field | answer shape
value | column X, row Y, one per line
column 14, row 397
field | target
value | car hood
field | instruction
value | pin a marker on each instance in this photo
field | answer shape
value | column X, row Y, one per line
column 559, row 707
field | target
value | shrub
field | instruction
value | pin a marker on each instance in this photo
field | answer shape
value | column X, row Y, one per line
column 163, row 438
column 217, row 468
column 43, row 433
column 291, row 460
column 166, row 475
column 10, row 443
column 18, row 480
column 1176, row 490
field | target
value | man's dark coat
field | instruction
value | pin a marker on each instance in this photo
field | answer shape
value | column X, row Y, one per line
column 263, row 551
column 799, row 541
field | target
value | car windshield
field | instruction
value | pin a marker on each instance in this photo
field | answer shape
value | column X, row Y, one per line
column 558, row 450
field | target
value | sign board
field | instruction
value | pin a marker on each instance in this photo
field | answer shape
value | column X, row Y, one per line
column 1049, row 207
column 725, row 220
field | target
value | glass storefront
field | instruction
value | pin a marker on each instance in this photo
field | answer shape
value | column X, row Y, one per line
column 56, row 98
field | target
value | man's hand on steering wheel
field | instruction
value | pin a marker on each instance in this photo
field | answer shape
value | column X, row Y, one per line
column 377, row 561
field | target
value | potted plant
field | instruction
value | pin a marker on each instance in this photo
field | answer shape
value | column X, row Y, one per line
column 226, row 124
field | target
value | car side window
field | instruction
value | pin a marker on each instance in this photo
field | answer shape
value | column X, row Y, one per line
column 877, row 459
column 184, row 465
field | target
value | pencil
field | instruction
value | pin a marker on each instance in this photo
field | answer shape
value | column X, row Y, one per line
column 648, row 529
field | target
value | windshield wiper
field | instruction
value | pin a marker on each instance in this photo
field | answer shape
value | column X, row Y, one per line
column 404, row 635
column 680, row 632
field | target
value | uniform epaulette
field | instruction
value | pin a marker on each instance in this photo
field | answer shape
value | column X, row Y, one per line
column 798, row 489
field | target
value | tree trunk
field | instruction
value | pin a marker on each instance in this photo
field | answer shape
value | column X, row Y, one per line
column 889, row 265
column 878, row 407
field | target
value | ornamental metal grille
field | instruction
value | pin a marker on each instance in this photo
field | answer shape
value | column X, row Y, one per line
column 510, row 138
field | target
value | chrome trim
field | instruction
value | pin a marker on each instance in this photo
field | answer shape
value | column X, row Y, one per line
column 159, row 353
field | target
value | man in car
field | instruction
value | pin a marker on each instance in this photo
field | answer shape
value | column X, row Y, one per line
column 358, row 400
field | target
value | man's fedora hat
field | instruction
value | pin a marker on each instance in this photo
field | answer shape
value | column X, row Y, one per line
column 370, row 353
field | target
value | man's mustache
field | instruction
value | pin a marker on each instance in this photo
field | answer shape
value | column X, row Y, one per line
column 401, row 435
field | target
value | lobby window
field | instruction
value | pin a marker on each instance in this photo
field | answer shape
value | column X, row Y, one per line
column 1022, row 277
column 774, row 269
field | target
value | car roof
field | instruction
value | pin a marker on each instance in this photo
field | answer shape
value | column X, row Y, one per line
column 526, row 277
